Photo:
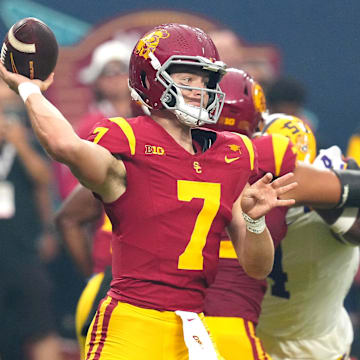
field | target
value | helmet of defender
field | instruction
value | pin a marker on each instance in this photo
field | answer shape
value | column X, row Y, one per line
column 156, row 56
column 297, row 131
column 244, row 103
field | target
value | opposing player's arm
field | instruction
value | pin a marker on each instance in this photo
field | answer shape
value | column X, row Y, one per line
column 93, row 165
column 344, row 222
column 77, row 212
column 323, row 188
column 316, row 187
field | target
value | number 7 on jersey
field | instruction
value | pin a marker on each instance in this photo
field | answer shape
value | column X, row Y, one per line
column 192, row 257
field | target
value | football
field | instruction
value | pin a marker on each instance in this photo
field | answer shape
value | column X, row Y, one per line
column 30, row 49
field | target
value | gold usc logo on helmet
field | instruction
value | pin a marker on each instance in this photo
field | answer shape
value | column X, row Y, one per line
column 150, row 42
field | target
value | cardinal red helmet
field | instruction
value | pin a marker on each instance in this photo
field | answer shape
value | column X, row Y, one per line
column 155, row 56
column 244, row 103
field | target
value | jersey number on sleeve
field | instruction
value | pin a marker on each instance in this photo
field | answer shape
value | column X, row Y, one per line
column 279, row 276
column 100, row 131
column 192, row 257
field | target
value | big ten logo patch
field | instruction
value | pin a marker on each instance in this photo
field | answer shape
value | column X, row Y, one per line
column 154, row 150
column 228, row 121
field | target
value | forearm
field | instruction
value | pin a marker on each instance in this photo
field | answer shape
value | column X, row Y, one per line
column 257, row 254
column 76, row 241
column 44, row 204
column 344, row 222
column 255, row 250
column 53, row 131
column 316, row 187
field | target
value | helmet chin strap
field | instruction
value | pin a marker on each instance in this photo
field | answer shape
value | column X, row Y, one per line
column 189, row 114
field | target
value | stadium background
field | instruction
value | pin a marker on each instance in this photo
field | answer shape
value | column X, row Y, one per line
column 319, row 41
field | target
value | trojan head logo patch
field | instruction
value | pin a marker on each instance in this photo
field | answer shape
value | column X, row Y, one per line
column 150, row 42
column 259, row 98
column 237, row 150
column 234, row 147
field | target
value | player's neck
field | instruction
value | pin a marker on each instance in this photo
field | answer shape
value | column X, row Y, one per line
column 181, row 133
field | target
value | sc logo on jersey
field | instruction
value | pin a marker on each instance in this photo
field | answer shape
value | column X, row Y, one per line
column 154, row 150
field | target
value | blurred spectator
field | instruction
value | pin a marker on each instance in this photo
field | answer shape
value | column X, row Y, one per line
column 288, row 96
column 27, row 323
column 107, row 74
column 261, row 62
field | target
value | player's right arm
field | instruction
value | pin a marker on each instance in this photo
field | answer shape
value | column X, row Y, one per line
column 94, row 166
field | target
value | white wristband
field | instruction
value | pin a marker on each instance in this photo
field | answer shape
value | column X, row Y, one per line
column 26, row 89
column 255, row 226
column 343, row 224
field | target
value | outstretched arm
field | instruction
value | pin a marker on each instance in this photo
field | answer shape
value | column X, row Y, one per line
column 92, row 164
column 251, row 238
column 324, row 188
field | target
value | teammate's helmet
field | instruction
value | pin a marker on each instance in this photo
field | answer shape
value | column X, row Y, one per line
column 154, row 58
column 244, row 103
column 297, row 131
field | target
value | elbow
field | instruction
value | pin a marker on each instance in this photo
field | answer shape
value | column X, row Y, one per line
column 62, row 151
column 259, row 271
column 62, row 221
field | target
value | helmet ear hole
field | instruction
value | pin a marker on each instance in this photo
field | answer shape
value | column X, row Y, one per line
column 170, row 99
column 246, row 91
column 144, row 81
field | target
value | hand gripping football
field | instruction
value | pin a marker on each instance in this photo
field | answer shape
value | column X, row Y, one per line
column 30, row 49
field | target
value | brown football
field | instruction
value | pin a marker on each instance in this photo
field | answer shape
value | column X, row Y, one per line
column 30, row 49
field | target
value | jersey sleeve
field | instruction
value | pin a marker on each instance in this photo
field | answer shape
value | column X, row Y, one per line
column 241, row 148
column 249, row 151
column 277, row 154
column 114, row 134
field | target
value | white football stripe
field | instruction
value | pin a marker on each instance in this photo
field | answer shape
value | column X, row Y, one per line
column 18, row 45
column 3, row 53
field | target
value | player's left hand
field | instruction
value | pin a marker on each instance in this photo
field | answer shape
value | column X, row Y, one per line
column 259, row 198
column 14, row 80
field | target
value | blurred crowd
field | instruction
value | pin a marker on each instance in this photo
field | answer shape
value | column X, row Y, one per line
column 43, row 275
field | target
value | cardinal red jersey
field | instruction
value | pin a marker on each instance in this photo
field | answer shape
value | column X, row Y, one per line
column 235, row 294
column 168, row 223
column 101, row 252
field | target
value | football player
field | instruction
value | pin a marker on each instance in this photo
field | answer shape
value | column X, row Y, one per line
column 302, row 314
column 169, row 190
column 233, row 301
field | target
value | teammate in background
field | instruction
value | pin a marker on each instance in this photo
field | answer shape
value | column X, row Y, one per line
column 286, row 95
column 233, row 301
column 303, row 316
column 188, row 186
column 90, row 252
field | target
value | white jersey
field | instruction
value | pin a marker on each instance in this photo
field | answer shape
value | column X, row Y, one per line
column 303, row 305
